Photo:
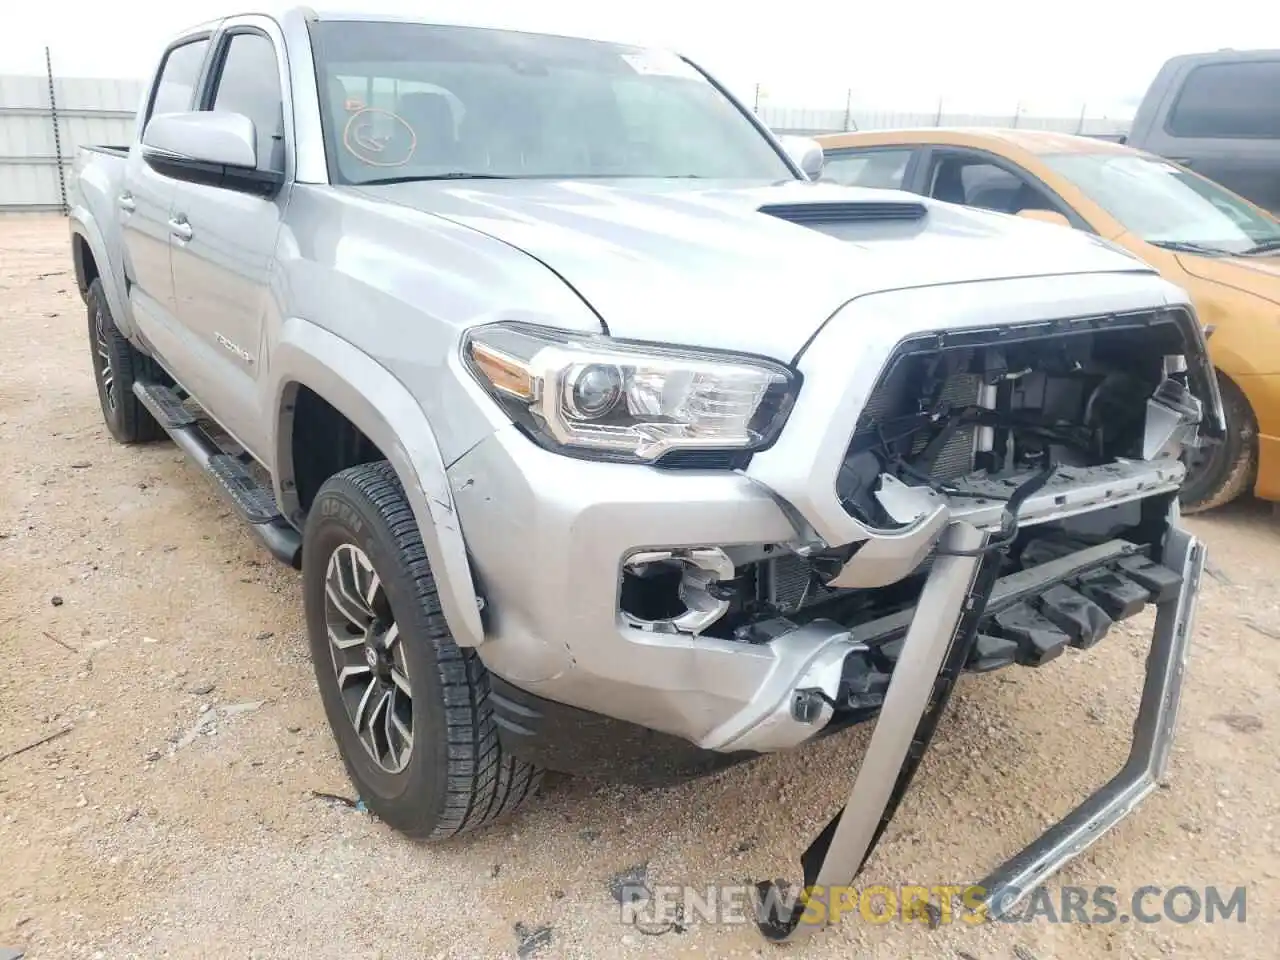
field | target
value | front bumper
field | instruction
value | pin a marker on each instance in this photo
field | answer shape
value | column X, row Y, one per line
column 548, row 534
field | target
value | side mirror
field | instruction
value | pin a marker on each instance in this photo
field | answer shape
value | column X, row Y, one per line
column 805, row 154
column 215, row 148
column 1045, row 216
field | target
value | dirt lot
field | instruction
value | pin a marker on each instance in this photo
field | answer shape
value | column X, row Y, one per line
column 173, row 814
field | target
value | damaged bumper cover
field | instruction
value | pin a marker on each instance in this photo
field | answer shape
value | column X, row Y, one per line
column 558, row 633
column 1066, row 598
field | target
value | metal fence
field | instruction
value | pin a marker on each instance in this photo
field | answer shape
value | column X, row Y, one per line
column 809, row 122
column 43, row 120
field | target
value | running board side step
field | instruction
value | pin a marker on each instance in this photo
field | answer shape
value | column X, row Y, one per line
column 938, row 641
column 255, row 503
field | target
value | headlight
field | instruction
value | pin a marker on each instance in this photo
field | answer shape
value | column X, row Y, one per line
column 593, row 396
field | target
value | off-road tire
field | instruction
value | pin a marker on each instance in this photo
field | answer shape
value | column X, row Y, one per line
column 1227, row 469
column 126, row 418
column 457, row 777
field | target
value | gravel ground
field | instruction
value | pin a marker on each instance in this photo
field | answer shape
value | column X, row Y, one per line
column 174, row 814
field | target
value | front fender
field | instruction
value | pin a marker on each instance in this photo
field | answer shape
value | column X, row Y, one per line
column 371, row 398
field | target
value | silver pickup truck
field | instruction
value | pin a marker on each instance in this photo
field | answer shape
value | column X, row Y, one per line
column 606, row 440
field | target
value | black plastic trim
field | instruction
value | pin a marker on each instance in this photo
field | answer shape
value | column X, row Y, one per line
column 805, row 214
column 556, row 736
column 261, row 183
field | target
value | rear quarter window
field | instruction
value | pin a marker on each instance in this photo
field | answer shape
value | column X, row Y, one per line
column 1229, row 101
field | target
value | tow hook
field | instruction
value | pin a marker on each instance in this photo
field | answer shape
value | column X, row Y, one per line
column 806, row 704
column 862, row 689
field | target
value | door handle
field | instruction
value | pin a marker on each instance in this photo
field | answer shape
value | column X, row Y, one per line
column 126, row 202
column 180, row 228
column 1185, row 161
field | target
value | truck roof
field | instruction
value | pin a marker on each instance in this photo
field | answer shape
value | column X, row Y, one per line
column 1225, row 55
column 440, row 14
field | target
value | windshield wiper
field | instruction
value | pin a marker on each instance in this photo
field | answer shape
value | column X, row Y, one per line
column 1183, row 247
column 414, row 178
column 1266, row 246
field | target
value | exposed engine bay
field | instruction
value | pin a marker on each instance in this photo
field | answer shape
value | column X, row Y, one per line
column 977, row 425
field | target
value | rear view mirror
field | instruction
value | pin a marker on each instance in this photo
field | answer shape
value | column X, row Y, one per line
column 1045, row 216
column 805, row 154
column 216, row 148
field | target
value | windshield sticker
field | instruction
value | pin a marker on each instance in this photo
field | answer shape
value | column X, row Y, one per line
column 660, row 63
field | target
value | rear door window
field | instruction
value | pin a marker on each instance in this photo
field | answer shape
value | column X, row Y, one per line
column 867, row 168
column 1229, row 101
column 178, row 76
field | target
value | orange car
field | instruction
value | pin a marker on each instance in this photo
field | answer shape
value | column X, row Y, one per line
column 1222, row 249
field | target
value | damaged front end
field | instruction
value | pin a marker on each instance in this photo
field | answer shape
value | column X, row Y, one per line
column 1016, row 490
column 1055, row 439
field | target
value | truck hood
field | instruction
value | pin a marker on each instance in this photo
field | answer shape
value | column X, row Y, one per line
column 1259, row 276
column 699, row 264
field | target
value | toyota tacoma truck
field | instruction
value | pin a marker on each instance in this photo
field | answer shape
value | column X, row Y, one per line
column 608, row 440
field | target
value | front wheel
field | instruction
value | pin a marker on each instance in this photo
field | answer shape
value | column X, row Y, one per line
column 1219, row 473
column 408, row 707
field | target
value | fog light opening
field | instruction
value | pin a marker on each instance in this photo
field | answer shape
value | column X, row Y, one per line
column 667, row 591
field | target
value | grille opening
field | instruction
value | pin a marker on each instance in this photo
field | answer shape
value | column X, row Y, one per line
column 999, row 402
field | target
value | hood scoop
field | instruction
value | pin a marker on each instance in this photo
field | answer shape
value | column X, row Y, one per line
column 869, row 211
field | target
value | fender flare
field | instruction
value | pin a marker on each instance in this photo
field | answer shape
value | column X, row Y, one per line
column 383, row 409
column 85, row 227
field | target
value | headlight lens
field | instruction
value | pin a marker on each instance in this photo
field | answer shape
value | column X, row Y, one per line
column 609, row 399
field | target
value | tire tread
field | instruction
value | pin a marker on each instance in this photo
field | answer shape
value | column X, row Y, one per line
column 484, row 782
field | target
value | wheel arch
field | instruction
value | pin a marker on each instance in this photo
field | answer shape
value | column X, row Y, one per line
column 309, row 358
column 1265, row 468
column 90, row 260
column 86, row 265
column 1235, row 383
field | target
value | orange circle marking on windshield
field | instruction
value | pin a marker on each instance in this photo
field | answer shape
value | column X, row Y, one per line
column 360, row 141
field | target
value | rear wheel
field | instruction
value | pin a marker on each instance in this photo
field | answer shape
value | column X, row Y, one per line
column 1220, row 472
column 409, row 708
column 116, row 365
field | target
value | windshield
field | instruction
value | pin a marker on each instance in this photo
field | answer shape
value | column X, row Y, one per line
column 416, row 101
column 1166, row 205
